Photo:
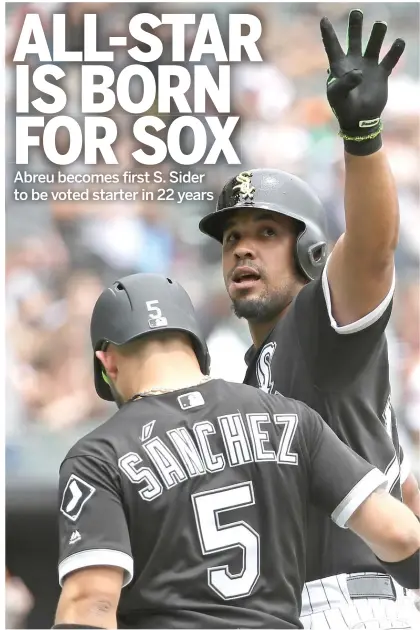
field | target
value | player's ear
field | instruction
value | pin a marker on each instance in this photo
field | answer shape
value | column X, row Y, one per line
column 108, row 362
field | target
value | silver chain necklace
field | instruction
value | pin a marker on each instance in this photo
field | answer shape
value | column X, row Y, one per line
column 155, row 391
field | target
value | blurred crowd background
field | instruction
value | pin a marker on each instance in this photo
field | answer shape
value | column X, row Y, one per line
column 60, row 255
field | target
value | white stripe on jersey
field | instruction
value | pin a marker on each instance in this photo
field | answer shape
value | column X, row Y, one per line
column 392, row 473
column 364, row 322
column 357, row 495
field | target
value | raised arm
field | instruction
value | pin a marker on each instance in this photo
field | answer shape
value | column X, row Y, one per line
column 361, row 267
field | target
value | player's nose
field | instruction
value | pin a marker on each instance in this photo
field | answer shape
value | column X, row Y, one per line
column 244, row 249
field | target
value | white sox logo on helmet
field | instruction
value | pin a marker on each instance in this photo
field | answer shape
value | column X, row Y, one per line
column 245, row 187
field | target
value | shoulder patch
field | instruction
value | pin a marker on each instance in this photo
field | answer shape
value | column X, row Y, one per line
column 76, row 493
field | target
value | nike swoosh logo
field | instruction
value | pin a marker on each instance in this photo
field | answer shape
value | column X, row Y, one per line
column 76, row 492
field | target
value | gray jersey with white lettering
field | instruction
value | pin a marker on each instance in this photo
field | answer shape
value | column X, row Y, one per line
column 201, row 496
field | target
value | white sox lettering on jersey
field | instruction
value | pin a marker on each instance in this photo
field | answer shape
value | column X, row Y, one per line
column 263, row 368
column 244, row 439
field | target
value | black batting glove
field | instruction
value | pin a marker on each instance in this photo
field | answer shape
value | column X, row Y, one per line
column 357, row 85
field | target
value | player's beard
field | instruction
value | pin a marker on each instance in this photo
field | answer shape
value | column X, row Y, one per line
column 265, row 307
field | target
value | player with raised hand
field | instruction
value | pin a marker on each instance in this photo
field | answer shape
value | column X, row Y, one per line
column 317, row 322
column 187, row 508
column 357, row 85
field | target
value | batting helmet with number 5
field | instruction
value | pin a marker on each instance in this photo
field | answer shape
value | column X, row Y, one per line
column 139, row 305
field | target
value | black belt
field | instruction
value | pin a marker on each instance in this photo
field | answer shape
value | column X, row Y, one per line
column 363, row 586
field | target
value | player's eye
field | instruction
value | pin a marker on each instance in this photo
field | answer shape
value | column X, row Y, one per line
column 268, row 231
column 230, row 238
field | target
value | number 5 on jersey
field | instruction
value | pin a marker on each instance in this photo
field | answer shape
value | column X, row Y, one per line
column 216, row 538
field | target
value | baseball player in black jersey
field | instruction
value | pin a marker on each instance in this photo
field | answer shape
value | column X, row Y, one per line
column 317, row 322
column 188, row 508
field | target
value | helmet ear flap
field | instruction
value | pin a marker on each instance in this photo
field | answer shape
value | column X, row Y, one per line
column 317, row 254
column 310, row 257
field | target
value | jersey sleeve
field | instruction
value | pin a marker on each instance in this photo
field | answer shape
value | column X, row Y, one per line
column 340, row 480
column 93, row 528
column 335, row 355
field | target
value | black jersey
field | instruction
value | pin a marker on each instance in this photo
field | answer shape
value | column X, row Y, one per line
column 201, row 496
column 344, row 376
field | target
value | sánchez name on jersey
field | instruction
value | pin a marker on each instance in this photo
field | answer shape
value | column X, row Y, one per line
column 190, row 454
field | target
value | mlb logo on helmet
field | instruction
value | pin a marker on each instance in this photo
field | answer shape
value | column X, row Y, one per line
column 193, row 399
column 159, row 322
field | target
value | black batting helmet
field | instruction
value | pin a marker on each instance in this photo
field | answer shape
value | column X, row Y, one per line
column 140, row 305
column 277, row 191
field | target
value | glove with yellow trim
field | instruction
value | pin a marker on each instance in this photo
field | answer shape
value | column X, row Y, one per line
column 357, row 85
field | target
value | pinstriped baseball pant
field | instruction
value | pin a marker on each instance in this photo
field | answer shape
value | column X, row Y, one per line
column 327, row 604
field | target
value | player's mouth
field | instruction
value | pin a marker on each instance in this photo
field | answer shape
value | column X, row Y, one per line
column 245, row 277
